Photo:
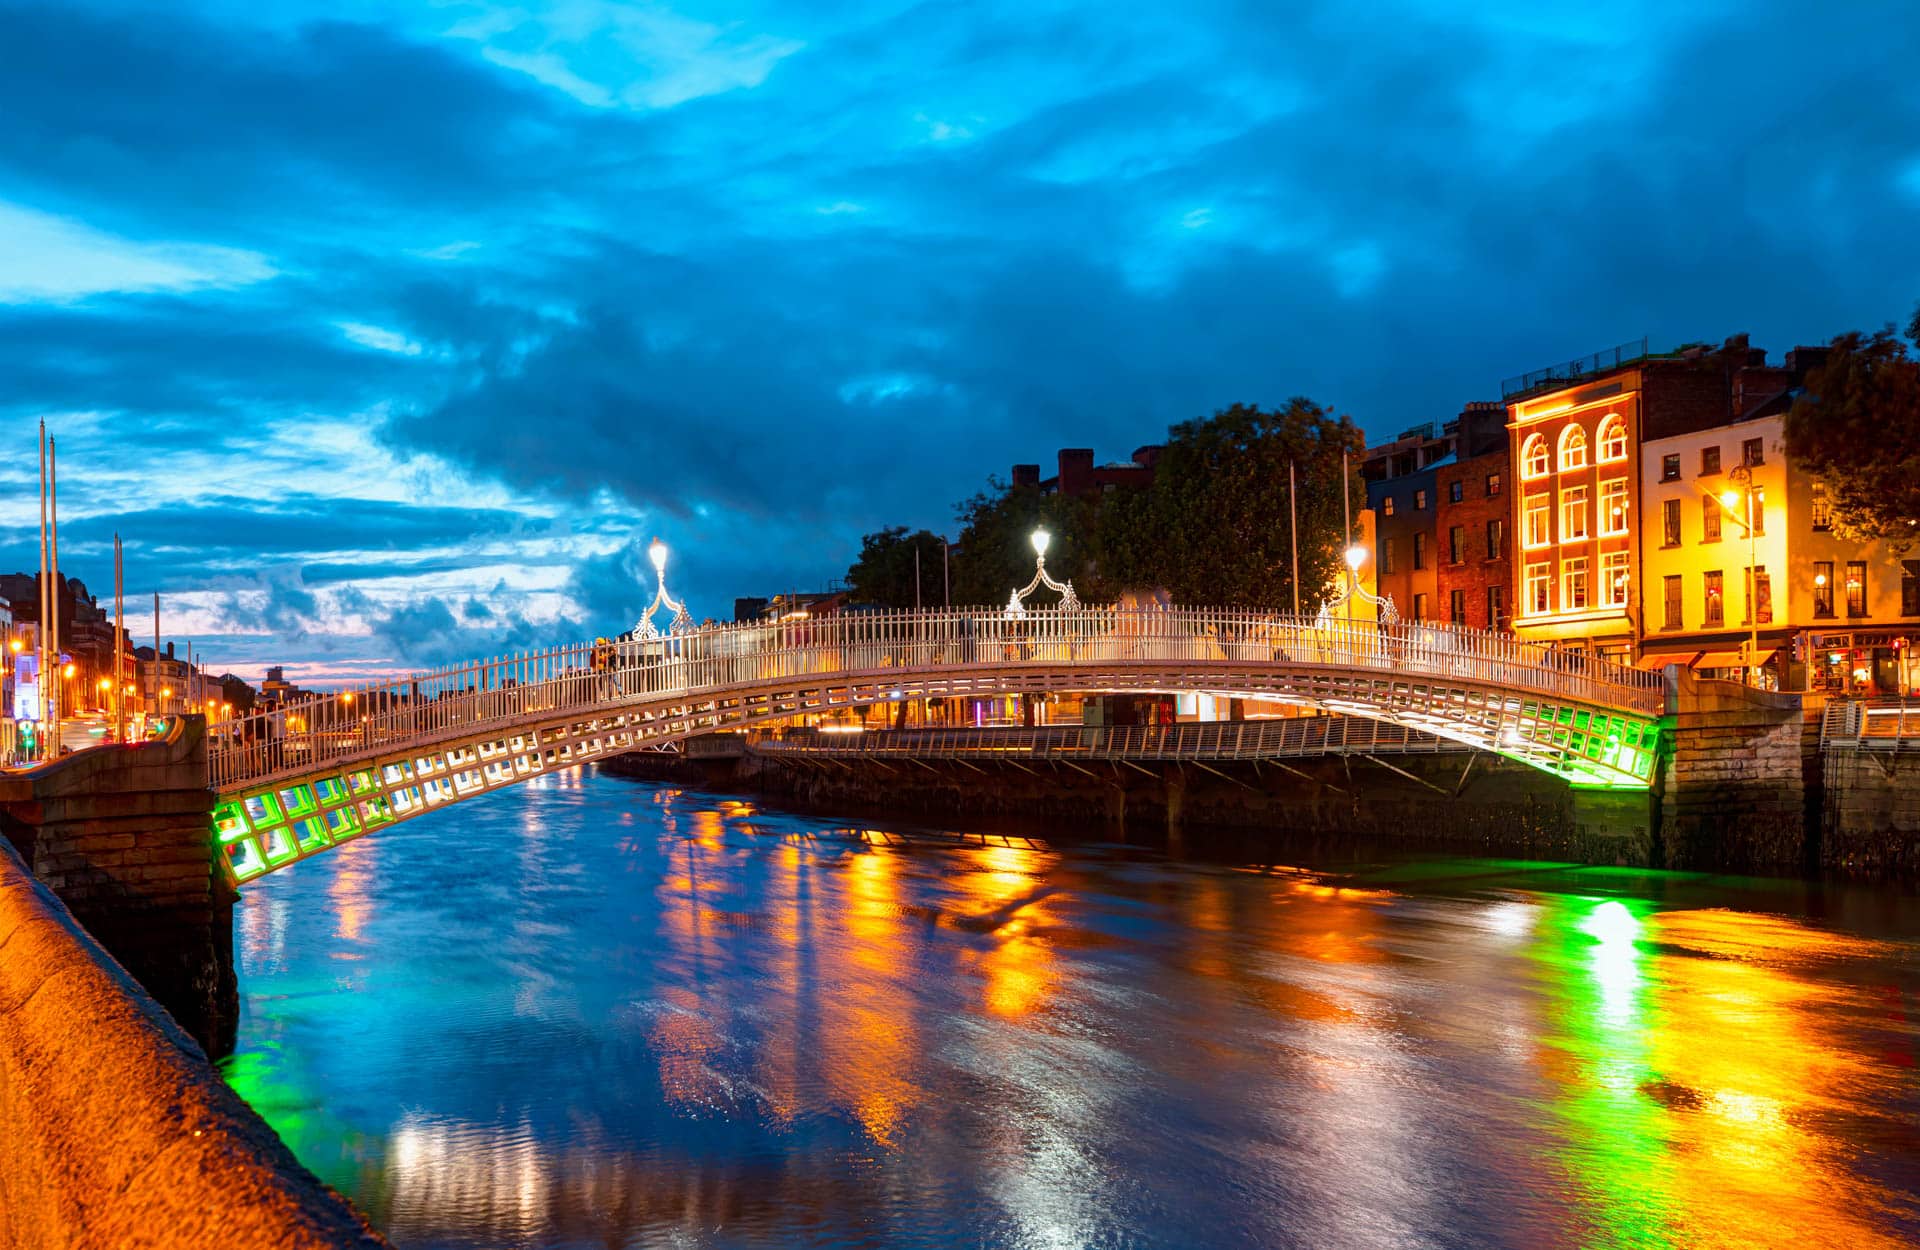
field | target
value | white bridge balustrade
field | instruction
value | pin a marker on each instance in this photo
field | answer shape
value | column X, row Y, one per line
column 297, row 780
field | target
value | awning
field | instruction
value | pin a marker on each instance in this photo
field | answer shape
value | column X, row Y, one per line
column 1721, row 659
column 1682, row 658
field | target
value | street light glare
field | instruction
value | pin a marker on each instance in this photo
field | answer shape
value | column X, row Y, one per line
column 1356, row 555
column 657, row 552
column 1040, row 541
column 1730, row 497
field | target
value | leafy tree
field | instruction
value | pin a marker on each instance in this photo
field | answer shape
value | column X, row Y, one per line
column 1856, row 427
column 1214, row 526
column 884, row 573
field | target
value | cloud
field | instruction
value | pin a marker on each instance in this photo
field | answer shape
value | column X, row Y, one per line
column 44, row 257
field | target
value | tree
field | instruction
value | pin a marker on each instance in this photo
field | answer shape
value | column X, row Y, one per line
column 994, row 554
column 884, row 572
column 1856, row 427
column 1214, row 526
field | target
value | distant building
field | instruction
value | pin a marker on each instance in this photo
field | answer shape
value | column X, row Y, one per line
column 1078, row 475
column 794, row 605
column 1411, row 484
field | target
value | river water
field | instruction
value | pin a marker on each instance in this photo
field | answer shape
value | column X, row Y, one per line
column 595, row 1012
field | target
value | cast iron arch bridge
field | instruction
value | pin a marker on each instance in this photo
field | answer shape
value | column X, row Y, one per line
column 305, row 777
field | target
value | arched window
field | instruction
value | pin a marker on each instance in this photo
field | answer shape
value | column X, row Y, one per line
column 1533, row 457
column 1613, row 438
column 1573, row 448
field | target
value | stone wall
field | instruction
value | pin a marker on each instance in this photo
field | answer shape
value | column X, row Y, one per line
column 1871, row 825
column 1734, row 794
column 114, row 1130
column 121, row 835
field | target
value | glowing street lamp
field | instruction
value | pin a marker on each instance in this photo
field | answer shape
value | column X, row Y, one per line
column 682, row 620
column 1016, row 602
column 1354, row 557
column 1729, row 501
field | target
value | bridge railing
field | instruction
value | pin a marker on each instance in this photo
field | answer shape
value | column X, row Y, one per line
column 709, row 662
column 1211, row 740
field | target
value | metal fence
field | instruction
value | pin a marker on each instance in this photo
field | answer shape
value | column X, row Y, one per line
column 1574, row 370
column 1883, row 724
column 1215, row 740
column 712, row 662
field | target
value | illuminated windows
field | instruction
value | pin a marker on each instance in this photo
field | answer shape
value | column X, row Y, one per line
column 1910, row 587
column 1613, row 439
column 1753, row 451
column 1671, row 586
column 1536, row 591
column 1709, row 460
column 1759, row 595
column 1419, row 549
column 1386, row 505
column 1420, row 501
column 1533, row 457
column 1496, row 539
column 1670, row 523
column 1536, row 522
column 1716, row 613
column 1759, row 511
column 1457, row 544
column 1613, row 579
column 1670, row 467
column 1573, row 514
column 1822, row 507
column 1457, row 606
column 1573, row 448
column 1573, row 584
column 1496, row 606
column 1856, row 588
column 1823, row 588
column 1613, row 506
column 1710, row 519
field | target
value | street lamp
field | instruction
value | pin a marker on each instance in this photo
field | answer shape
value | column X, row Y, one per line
column 1354, row 557
column 1016, row 602
column 682, row 620
column 1727, row 499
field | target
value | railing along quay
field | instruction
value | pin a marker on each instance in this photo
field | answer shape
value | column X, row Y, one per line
column 1212, row 741
column 1877, row 724
column 713, row 661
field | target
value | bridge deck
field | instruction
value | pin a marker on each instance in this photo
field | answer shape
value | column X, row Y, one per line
column 1294, row 737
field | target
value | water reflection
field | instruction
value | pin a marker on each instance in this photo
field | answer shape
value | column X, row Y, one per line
column 596, row 1013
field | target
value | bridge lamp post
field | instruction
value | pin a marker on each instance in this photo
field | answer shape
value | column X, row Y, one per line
column 1016, row 603
column 682, row 620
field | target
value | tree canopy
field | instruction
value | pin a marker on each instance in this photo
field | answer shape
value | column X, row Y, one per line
column 884, row 572
column 1856, row 427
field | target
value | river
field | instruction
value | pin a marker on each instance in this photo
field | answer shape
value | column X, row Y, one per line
column 590, row 1011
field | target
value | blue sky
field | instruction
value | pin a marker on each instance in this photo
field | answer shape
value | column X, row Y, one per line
column 388, row 334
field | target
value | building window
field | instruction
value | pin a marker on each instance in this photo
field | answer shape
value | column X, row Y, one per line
column 1386, row 505
column 1823, row 588
column 1386, row 556
column 1457, row 606
column 1856, row 588
column 1822, row 508
column 1420, row 501
column 1753, row 451
column 1759, row 596
column 1573, row 584
column 1670, row 584
column 1613, row 439
column 1670, row 467
column 1496, row 607
column 1613, row 506
column 1419, row 607
column 1420, row 550
column 1457, row 545
column 1496, row 539
column 1759, row 511
column 1709, row 460
column 1573, row 514
column 1716, row 613
column 1493, row 485
column 1536, row 522
column 1573, row 449
column 1910, row 587
column 1670, row 523
column 1456, row 491
column 1710, row 520
column 1537, row 590
column 1533, row 457
column 1613, row 579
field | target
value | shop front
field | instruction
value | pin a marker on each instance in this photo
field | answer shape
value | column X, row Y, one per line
column 1861, row 663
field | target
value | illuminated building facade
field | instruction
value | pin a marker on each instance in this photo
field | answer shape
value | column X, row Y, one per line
column 1472, row 533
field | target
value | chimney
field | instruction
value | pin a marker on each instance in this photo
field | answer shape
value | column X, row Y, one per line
column 1026, row 475
column 1076, row 470
column 169, row 651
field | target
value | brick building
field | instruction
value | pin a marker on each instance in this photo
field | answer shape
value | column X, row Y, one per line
column 1420, row 561
column 1078, row 475
column 1474, row 580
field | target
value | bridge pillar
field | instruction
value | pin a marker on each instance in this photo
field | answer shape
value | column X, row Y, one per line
column 1735, row 794
column 1176, row 789
column 122, row 836
column 1615, row 826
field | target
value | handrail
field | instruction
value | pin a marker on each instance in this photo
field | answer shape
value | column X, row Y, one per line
column 714, row 660
column 1211, row 740
column 1879, row 723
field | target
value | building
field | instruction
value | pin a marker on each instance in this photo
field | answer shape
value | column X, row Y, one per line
column 1078, row 475
column 1427, row 491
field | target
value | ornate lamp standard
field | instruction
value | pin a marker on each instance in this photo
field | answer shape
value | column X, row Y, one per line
column 1353, row 558
column 1016, row 602
column 1743, row 475
column 682, row 620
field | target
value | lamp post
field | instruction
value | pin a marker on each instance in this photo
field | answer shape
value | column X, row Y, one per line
column 682, row 621
column 1353, row 557
column 1743, row 475
column 1016, row 602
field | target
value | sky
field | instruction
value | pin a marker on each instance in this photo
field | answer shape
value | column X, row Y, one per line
column 387, row 335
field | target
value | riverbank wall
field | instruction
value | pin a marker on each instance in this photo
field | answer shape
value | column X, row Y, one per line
column 121, row 835
column 114, row 1129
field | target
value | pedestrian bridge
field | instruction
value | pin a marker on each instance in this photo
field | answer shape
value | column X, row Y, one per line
column 300, row 779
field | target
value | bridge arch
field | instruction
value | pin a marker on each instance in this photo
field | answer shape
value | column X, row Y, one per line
column 293, row 782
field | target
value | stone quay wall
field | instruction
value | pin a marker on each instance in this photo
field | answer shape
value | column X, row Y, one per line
column 1872, row 813
column 114, row 1129
column 1735, row 795
column 121, row 835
